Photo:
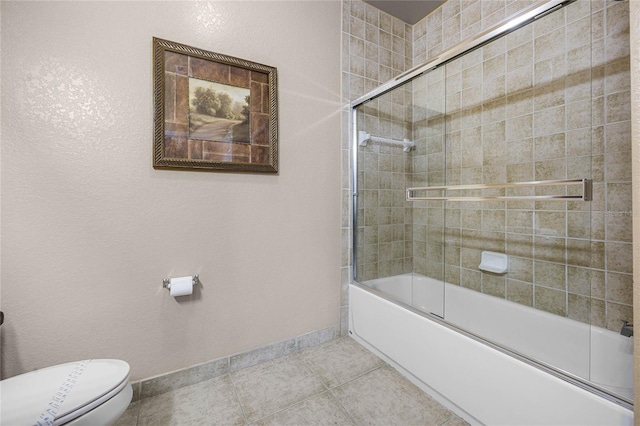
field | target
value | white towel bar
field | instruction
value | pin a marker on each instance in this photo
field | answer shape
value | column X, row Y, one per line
column 364, row 138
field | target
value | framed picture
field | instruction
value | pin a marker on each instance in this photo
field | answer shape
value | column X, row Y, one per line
column 213, row 111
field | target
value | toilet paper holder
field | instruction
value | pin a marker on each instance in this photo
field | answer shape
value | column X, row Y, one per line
column 166, row 283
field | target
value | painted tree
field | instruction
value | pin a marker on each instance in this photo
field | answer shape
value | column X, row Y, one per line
column 206, row 101
column 225, row 110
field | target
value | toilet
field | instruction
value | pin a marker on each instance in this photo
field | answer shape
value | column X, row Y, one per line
column 92, row 392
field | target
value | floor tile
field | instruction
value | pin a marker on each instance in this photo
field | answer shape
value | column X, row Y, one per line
column 337, row 383
column 130, row 415
column 209, row 402
column 267, row 388
column 456, row 421
column 385, row 397
column 340, row 361
column 319, row 410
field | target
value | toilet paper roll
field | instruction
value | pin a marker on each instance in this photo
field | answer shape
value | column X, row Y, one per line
column 181, row 286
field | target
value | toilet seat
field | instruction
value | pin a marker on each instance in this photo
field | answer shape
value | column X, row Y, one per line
column 23, row 398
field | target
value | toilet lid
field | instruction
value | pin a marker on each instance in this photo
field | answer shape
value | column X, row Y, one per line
column 85, row 384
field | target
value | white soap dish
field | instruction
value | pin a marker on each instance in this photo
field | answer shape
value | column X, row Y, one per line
column 498, row 263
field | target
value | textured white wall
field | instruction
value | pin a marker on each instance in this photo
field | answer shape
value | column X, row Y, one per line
column 90, row 229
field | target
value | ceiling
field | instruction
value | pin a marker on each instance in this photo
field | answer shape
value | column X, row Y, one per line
column 410, row 11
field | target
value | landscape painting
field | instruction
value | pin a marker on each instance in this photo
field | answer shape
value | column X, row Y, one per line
column 218, row 112
column 213, row 112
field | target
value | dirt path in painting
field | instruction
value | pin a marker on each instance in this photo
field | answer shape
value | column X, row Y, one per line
column 217, row 130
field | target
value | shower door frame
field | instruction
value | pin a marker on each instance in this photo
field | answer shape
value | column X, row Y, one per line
column 499, row 30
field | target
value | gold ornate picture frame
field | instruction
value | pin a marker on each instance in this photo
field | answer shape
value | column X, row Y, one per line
column 212, row 111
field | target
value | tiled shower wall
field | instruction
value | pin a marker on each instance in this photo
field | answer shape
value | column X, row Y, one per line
column 564, row 260
column 375, row 48
column 545, row 102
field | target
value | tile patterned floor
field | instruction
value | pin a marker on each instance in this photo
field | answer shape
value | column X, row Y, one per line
column 338, row 383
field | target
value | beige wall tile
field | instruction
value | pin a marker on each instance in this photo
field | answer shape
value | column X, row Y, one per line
column 578, row 307
column 617, row 107
column 470, row 258
column 619, row 197
column 550, row 223
column 550, row 147
column 471, row 279
column 550, row 249
column 579, row 280
column 549, row 23
column 550, row 69
column 578, row 252
column 519, row 292
column 549, row 121
column 549, row 95
column 578, row 224
column 619, row 288
column 494, row 285
column 518, row 128
column 618, row 226
column 550, row 170
column 578, row 115
column 619, row 257
column 551, row 275
column 616, row 314
column 520, row 56
column 520, row 245
column 550, row 300
column 618, row 136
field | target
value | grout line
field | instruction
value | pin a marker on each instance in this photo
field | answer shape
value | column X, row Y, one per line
column 139, row 402
column 339, row 402
column 444, row 423
column 342, row 407
column 313, row 371
column 235, row 392
column 360, row 376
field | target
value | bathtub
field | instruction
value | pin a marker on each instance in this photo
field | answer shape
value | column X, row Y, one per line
column 480, row 381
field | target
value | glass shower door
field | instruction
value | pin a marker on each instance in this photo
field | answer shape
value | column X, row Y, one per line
column 519, row 110
column 399, row 245
column 528, row 107
column 547, row 274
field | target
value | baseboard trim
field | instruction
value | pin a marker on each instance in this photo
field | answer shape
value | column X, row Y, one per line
column 210, row 369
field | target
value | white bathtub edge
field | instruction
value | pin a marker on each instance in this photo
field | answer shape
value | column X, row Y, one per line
column 492, row 394
column 419, row 383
